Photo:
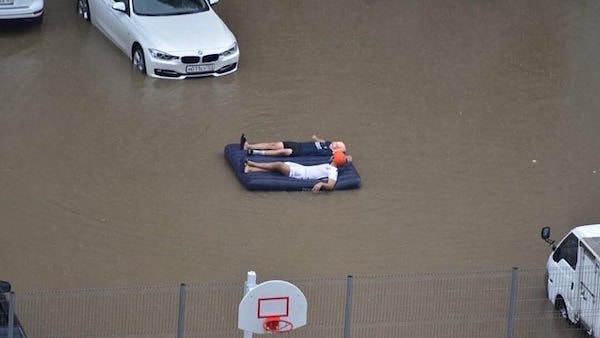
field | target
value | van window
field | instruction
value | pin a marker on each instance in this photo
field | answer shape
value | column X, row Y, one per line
column 567, row 251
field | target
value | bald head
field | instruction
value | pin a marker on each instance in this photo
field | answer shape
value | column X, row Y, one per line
column 337, row 146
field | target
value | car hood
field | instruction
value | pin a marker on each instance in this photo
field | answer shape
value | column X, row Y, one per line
column 203, row 31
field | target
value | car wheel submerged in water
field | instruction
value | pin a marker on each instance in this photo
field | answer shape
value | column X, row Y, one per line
column 138, row 59
column 83, row 9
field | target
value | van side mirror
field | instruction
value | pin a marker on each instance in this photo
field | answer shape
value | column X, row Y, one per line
column 545, row 234
column 4, row 287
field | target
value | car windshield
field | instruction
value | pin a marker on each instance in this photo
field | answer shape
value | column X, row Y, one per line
column 168, row 7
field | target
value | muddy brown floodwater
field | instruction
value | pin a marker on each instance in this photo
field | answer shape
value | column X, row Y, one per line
column 471, row 123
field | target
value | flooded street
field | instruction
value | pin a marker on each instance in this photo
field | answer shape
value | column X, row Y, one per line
column 471, row 124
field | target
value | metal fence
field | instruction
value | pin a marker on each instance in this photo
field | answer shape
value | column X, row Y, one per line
column 510, row 303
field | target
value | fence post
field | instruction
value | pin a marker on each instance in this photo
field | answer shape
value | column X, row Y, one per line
column 348, row 312
column 11, row 314
column 513, row 302
column 181, row 316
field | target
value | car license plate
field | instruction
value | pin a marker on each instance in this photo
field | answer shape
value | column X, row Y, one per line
column 197, row 68
column 6, row 2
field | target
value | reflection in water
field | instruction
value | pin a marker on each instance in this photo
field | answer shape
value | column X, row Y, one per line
column 18, row 36
column 470, row 124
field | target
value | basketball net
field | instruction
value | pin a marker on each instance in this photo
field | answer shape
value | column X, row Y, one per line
column 277, row 325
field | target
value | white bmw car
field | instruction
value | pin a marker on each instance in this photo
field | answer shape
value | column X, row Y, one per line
column 166, row 38
column 28, row 10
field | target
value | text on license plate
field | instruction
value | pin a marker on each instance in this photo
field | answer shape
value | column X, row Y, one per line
column 197, row 68
column 6, row 2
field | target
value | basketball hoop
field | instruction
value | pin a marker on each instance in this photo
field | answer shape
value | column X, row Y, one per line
column 273, row 306
column 277, row 325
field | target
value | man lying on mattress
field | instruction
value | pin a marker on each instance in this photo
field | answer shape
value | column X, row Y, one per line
column 327, row 171
column 318, row 147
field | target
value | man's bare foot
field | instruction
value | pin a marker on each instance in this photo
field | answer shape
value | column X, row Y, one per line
column 246, row 167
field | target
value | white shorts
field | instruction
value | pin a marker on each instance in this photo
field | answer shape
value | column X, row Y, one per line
column 296, row 170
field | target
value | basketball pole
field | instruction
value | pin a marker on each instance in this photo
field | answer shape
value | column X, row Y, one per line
column 249, row 285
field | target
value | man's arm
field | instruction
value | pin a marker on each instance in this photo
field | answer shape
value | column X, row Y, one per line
column 315, row 138
column 322, row 185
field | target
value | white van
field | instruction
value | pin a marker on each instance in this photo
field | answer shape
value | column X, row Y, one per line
column 573, row 276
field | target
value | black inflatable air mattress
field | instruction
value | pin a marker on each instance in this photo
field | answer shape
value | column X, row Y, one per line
column 348, row 177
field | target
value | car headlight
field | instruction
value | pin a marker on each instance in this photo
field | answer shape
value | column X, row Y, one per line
column 157, row 54
column 230, row 51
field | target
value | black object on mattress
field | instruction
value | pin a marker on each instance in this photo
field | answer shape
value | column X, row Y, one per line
column 348, row 177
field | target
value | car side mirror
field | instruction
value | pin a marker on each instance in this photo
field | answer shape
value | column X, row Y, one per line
column 213, row 2
column 119, row 6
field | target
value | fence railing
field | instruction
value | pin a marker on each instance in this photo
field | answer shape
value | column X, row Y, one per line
column 509, row 303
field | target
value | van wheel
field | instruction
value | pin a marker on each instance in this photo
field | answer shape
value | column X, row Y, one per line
column 562, row 309
column 546, row 280
column 138, row 59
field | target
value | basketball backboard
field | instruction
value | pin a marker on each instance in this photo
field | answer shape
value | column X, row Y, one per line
column 272, row 306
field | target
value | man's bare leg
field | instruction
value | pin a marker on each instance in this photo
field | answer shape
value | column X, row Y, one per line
column 274, row 152
column 264, row 146
column 251, row 169
column 280, row 167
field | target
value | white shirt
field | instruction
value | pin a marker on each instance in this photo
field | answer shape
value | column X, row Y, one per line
column 313, row 172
